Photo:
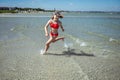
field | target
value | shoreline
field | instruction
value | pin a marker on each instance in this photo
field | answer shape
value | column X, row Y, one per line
column 23, row 63
column 111, row 12
column 20, row 59
column 89, row 52
column 48, row 14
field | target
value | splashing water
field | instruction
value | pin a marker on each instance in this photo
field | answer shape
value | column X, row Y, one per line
column 12, row 29
column 68, row 45
column 83, row 44
column 111, row 39
column 77, row 41
column 65, row 45
column 42, row 51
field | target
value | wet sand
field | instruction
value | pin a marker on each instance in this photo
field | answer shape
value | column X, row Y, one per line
column 90, row 56
column 24, row 62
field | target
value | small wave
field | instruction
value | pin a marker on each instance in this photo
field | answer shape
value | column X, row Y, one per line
column 77, row 41
column 12, row 29
column 97, row 34
column 83, row 44
column 70, row 36
column 18, row 28
column 111, row 39
column 68, row 45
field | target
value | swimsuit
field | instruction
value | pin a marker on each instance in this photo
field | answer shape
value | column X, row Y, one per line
column 54, row 26
column 53, row 34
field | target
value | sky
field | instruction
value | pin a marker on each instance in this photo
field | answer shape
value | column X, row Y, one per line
column 71, row 5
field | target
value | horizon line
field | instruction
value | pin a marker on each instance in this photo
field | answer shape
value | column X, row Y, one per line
column 64, row 10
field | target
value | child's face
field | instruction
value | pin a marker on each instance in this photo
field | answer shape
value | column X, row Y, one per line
column 56, row 17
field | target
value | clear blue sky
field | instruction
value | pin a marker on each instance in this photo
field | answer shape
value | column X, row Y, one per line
column 74, row 5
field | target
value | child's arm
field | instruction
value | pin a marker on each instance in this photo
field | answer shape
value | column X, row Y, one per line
column 46, row 28
column 61, row 26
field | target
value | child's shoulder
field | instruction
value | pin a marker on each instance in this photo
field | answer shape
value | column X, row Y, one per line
column 49, row 20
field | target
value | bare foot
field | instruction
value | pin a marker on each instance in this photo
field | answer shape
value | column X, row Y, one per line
column 43, row 52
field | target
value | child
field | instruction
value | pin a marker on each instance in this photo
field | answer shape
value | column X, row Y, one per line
column 54, row 24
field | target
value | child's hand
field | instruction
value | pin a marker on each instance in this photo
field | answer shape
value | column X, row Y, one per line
column 46, row 35
column 63, row 30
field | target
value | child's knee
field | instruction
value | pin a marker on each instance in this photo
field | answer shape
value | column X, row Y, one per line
column 53, row 41
column 47, row 44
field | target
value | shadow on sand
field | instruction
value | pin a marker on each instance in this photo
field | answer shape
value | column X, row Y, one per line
column 71, row 52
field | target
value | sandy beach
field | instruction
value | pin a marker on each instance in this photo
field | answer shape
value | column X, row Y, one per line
column 90, row 50
column 24, row 62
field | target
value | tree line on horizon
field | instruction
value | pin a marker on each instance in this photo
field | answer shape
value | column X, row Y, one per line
column 19, row 9
column 26, row 9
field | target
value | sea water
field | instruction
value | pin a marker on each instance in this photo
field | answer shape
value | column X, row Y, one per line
column 92, row 32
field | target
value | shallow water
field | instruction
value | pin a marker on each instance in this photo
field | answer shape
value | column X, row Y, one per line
column 97, row 33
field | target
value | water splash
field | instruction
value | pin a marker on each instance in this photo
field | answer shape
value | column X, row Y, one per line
column 77, row 41
column 68, row 45
column 12, row 29
column 65, row 45
column 83, row 44
column 111, row 39
column 42, row 51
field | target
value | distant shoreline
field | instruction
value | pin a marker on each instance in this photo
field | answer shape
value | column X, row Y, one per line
column 13, row 12
column 39, row 10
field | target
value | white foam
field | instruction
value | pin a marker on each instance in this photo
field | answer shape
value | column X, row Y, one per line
column 68, row 45
column 42, row 52
column 83, row 44
column 11, row 29
column 77, row 41
column 65, row 45
column 111, row 39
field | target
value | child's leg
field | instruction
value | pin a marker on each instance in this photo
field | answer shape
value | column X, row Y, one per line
column 59, row 38
column 48, row 44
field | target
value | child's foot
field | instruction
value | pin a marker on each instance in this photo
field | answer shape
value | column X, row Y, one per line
column 43, row 52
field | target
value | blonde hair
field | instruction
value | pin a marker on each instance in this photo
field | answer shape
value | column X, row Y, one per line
column 60, row 16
